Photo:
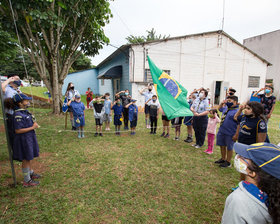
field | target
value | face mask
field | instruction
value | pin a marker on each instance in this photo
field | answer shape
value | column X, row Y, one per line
column 98, row 101
column 119, row 103
column 78, row 100
column 150, row 90
column 72, row 87
column 107, row 98
column 229, row 105
column 211, row 115
column 126, row 94
column 267, row 91
column 201, row 95
column 240, row 166
column 154, row 100
column 231, row 94
column 17, row 83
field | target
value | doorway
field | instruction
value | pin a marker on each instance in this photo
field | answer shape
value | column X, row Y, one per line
column 217, row 92
column 116, row 86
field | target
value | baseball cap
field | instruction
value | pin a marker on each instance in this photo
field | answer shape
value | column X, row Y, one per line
column 133, row 100
column 77, row 96
column 264, row 155
column 20, row 96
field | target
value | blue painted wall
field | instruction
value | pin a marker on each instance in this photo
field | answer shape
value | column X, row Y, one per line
column 120, row 59
column 82, row 80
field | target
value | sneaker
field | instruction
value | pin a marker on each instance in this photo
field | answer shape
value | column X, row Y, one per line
column 30, row 183
column 209, row 152
column 154, row 133
column 35, row 176
column 74, row 128
column 176, row 138
column 189, row 140
column 225, row 164
column 82, row 135
column 96, row 134
column 194, row 145
column 166, row 136
column 198, row 146
column 162, row 135
column 100, row 134
column 79, row 136
column 151, row 133
column 220, row 161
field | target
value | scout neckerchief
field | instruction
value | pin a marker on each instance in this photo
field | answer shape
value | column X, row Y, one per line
column 225, row 114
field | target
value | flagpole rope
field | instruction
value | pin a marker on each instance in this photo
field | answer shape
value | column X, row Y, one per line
column 20, row 46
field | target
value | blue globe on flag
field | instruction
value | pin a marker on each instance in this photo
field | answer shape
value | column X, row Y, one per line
column 170, row 85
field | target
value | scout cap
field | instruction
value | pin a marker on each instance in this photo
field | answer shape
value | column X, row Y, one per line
column 264, row 155
column 20, row 97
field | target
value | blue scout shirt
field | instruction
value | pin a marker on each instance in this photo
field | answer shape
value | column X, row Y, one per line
column 249, row 129
column 25, row 146
column 200, row 105
column 77, row 108
column 107, row 105
column 132, row 112
column 228, row 125
column 118, row 110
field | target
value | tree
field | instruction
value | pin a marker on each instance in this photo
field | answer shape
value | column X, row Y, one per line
column 16, row 66
column 150, row 37
column 82, row 63
column 54, row 33
column 8, row 47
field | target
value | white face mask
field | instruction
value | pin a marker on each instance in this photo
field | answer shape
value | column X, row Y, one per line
column 240, row 166
column 107, row 98
column 201, row 95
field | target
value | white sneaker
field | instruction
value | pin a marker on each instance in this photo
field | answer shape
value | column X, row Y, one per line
column 194, row 145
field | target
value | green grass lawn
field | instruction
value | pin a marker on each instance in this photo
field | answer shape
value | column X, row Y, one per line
column 111, row 179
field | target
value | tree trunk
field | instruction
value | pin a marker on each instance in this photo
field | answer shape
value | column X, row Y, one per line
column 55, row 86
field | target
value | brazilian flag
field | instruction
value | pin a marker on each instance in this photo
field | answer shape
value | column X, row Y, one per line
column 171, row 95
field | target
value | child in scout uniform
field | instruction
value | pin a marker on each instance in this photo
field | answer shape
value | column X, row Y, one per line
column 118, row 113
column 99, row 111
column 227, row 130
column 78, row 109
column 256, row 200
column 132, row 115
column 25, row 145
column 252, row 125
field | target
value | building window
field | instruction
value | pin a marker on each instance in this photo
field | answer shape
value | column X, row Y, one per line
column 254, row 82
column 148, row 76
column 102, row 82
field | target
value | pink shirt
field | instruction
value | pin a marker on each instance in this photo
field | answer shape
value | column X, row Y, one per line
column 212, row 124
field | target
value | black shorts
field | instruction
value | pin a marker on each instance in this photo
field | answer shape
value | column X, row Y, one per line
column 164, row 118
column 133, row 123
column 147, row 109
column 98, row 121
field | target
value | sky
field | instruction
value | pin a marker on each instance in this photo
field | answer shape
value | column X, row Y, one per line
column 242, row 19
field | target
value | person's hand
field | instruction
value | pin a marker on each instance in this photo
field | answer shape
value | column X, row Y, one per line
column 35, row 125
column 195, row 114
column 268, row 116
column 242, row 107
column 234, row 138
column 12, row 79
column 262, row 89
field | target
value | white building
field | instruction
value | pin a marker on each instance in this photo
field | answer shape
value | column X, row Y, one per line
column 268, row 46
column 212, row 60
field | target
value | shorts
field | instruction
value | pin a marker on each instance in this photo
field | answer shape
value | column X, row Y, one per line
column 133, row 123
column 117, row 120
column 147, row 109
column 224, row 140
column 79, row 121
column 188, row 120
column 164, row 118
column 98, row 121
column 107, row 117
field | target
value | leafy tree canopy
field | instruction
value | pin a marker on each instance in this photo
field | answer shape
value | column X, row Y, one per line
column 151, row 35
column 54, row 33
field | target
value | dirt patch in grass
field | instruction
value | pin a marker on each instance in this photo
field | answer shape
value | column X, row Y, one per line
column 37, row 165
